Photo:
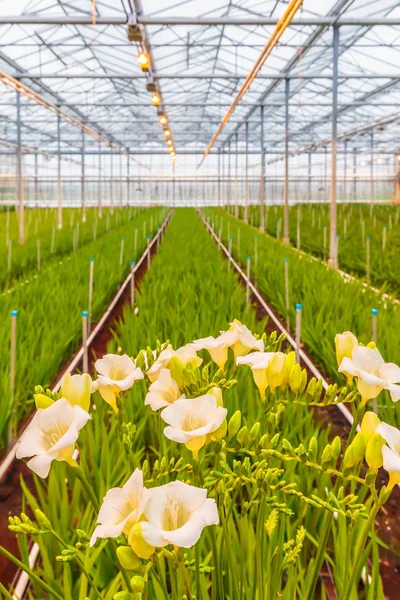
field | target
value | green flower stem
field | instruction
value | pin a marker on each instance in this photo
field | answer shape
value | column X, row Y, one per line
column 260, row 546
column 31, row 574
column 360, row 550
column 80, row 563
column 319, row 559
column 5, row 593
column 88, row 488
column 186, row 580
column 196, row 480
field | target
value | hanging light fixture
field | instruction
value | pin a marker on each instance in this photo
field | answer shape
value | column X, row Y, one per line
column 167, row 132
column 163, row 120
column 144, row 60
column 169, row 142
column 156, row 99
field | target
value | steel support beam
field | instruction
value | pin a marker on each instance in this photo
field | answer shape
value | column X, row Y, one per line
column 83, row 190
column 100, row 208
column 333, row 257
column 128, row 76
column 59, row 184
column 20, row 182
column 196, row 21
column 262, row 174
column 246, row 184
column 286, row 237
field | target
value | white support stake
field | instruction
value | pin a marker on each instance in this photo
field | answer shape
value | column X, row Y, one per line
column 298, row 237
column 298, row 331
column 133, row 283
column 53, row 237
column 286, row 262
column 121, row 252
column 85, row 361
column 238, row 235
column 230, row 253
column 135, row 246
column 384, row 238
column 13, row 360
column 38, row 254
column 247, row 281
column 374, row 318
column 368, row 259
column 255, row 251
column 148, row 252
column 91, row 271
column 9, row 254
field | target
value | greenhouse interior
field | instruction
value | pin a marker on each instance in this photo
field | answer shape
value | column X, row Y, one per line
column 200, row 267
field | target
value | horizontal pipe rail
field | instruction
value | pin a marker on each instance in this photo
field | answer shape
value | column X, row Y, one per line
column 196, row 21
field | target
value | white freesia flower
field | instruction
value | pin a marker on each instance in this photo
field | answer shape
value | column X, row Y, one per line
column 242, row 340
column 77, row 389
column 238, row 337
column 373, row 374
column 260, row 363
column 51, row 435
column 217, row 347
column 191, row 422
column 186, row 354
column 116, row 374
column 344, row 344
column 177, row 514
column 391, row 452
column 121, row 509
column 162, row 392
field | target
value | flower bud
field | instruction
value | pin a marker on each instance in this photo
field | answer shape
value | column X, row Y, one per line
column 138, row 543
column 369, row 424
column 373, row 451
column 217, row 392
column 42, row 401
column 345, row 344
column 127, row 558
column 122, row 596
column 138, row 584
column 234, row 423
column 254, row 431
column 242, row 435
column 355, row 452
column 276, row 370
column 295, row 378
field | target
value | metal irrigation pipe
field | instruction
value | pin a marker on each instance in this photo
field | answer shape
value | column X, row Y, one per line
column 282, row 24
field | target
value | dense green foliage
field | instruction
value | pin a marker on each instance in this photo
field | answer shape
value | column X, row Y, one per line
column 330, row 304
column 355, row 223
column 49, row 307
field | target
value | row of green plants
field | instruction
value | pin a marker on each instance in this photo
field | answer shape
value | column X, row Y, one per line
column 329, row 303
column 199, row 457
column 49, row 306
column 44, row 243
column 355, row 224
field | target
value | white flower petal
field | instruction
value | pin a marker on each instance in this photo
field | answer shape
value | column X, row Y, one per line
column 391, row 460
column 391, row 435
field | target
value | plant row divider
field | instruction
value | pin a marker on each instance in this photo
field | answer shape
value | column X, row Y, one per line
column 22, row 581
column 303, row 356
